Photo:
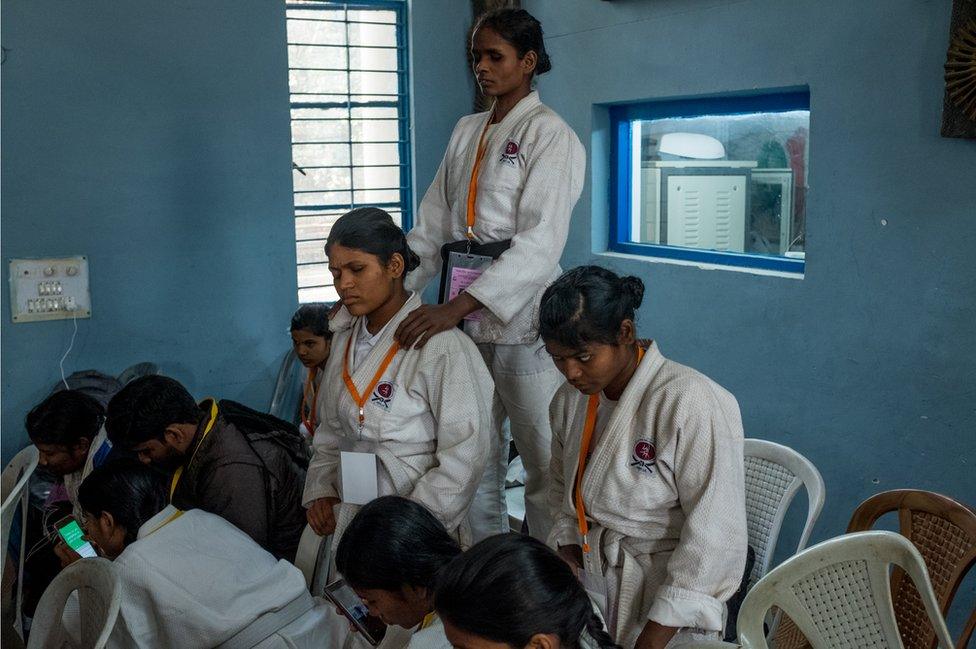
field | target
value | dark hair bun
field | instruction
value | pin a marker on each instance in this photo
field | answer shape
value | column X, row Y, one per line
column 372, row 230
column 633, row 287
column 522, row 30
column 411, row 259
column 588, row 304
column 544, row 64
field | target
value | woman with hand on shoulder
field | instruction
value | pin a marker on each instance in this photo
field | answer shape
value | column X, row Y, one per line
column 508, row 181
column 395, row 420
column 647, row 468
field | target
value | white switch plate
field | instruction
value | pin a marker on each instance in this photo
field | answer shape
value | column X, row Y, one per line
column 49, row 289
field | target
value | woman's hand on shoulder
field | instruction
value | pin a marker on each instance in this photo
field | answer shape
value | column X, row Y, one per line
column 428, row 320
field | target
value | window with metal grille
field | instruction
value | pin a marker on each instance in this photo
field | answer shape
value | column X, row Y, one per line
column 350, row 135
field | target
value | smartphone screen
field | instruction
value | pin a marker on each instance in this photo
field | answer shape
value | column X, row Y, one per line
column 346, row 599
column 74, row 537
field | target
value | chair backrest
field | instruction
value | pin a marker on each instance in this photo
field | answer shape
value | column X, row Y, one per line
column 136, row 371
column 313, row 559
column 774, row 474
column 838, row 593
column 286, row 397
column 944, row 532
column 13, row 486
column 99, row 589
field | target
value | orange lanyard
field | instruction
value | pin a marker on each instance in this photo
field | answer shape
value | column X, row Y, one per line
column 360, row 399
column 308, row 411
column 206, row 431
column 589, row 426
column 473, row 183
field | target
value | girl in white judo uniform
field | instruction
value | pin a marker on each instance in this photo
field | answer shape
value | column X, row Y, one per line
column 647, row 469
column 191, row 579
column 512, row 591
column 391, row 554
column 513, row 174
column 409, row 422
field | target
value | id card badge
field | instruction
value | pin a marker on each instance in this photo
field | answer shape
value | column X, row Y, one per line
column 462, row 270
column 359, row 477
column 595, row 585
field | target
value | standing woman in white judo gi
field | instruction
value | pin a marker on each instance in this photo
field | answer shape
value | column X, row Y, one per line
column 510, row 175
column 395, row 420
column 647, row 471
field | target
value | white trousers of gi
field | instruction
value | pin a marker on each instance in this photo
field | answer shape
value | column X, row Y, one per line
column 525, row 382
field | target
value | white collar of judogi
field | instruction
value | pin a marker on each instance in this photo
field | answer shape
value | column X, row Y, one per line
column 166, row 515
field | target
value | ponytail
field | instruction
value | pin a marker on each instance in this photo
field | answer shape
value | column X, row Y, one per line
column 596, row 630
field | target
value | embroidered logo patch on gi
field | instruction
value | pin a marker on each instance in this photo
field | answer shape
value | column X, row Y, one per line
column 383, row 394
column 510, row 154
column 644, row 455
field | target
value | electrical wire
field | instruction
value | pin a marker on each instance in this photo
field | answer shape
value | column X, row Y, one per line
column 74, row 319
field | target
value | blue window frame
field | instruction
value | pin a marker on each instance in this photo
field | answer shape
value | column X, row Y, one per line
column 350, row 116
column 717, row 179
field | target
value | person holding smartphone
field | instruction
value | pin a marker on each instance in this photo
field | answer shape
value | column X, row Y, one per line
column 190, row 578
column 390, row 556
column 511, row 590
column 505, row 189
column 67, row 429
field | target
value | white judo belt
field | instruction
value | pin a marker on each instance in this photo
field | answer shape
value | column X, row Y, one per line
column 270, row 623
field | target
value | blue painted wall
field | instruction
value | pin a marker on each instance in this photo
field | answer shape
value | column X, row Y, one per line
column 154, row 138
column 443, row 87
column 868, row 365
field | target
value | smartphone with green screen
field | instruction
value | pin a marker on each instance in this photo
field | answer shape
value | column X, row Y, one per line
column 71, row 533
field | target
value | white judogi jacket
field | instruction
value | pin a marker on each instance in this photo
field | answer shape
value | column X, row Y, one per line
column 196, row 581
column 428, row 421
column 665, row 492
column 530, row 179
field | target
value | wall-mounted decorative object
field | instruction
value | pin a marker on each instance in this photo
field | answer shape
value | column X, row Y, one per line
column 959, row 110
column 478, row 7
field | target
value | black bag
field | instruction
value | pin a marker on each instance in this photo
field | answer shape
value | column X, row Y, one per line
column 467, row 247
column 258, row 426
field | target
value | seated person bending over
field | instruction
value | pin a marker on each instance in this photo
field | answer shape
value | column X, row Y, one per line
column 229, row 460
column 511, row 591
column 190, row 579
column 390, row 555
column 67, row 430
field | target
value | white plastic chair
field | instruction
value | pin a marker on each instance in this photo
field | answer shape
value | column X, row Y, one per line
column 774, row 474
column 313, row 559
column 99, row 589
column 13, row 486
column 838, row 594
column 286, row 396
